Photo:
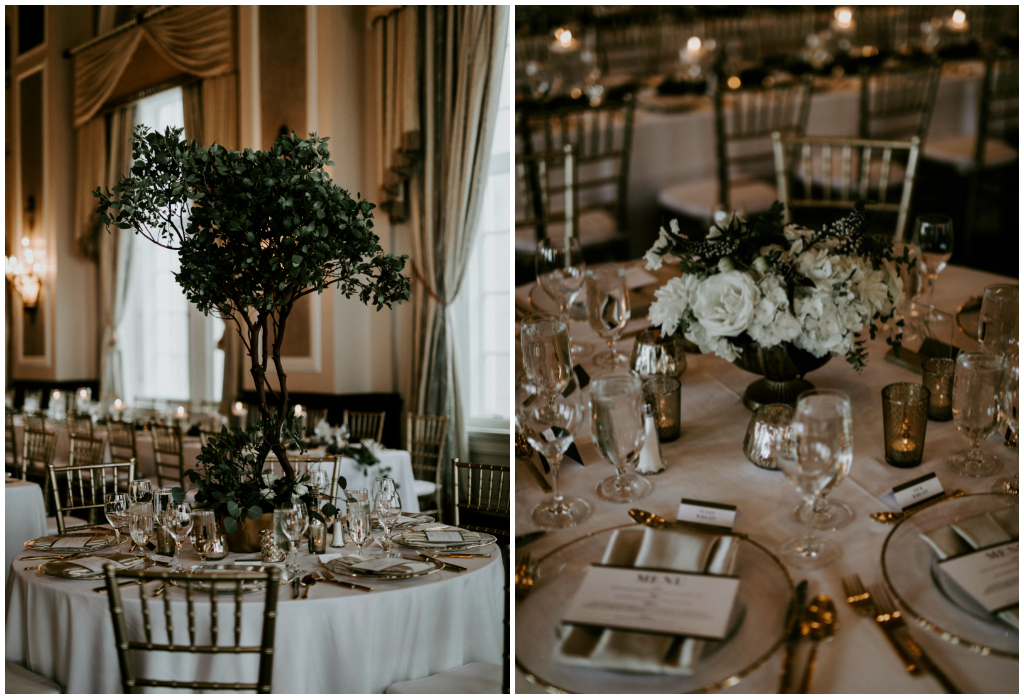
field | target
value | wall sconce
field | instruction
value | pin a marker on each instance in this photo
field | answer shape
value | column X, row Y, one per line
column 26, row 274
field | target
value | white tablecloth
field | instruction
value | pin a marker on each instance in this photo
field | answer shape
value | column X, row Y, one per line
column 707, row 463
column 338, row 640
column 24, row 518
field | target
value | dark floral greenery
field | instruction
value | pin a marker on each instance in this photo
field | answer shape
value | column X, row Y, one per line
column 255, row 231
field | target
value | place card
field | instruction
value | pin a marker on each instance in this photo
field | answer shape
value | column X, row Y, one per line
column 379, row 564
column 654, row 601
column 96, row 563
column 71, row 542
column 434, row 536
column 714, row 514
column 914, row 492
column 165, row 560
column 325, row 557
column 989, row 575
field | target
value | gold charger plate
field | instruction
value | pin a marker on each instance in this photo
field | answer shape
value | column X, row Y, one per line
column 419, row 519
column 98, row 543
column 62, row 569
column 228, row 586
column 454, row 546
column 411, row 568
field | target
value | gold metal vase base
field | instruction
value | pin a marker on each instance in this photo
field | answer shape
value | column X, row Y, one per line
column 247, row 539
column 783, row 368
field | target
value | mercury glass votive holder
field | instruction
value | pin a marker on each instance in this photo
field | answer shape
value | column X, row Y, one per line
column 663, row 394
column 938, row 379
column 905, row 420
column 765, row 425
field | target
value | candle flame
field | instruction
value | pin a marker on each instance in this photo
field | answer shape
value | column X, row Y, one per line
column 564, row 37
column 693, row 44
column 181, row 410
column 844, row 15
column 959, row 17
column 733, row 82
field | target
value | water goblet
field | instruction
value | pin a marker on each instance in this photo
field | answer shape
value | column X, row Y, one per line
column 358, row 520
column 547, row 359
column 825, row 512
column 608, row 310
column 389, row 507
column 176, row 518
column 140, row 490
column 617, row 428
column 293, row 520
column 140, row 524
column 115, row 508
column 1009, row 402
column 977, row 384
column 549, row 426
column 561, row 272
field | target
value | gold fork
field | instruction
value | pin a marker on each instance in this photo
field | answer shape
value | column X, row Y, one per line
column 894, row 628
column 887, row 611
column 524, row 576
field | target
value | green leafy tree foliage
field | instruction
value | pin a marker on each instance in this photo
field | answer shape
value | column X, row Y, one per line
column 255, row 231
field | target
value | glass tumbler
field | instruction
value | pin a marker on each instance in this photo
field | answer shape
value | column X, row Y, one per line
column 904, row 420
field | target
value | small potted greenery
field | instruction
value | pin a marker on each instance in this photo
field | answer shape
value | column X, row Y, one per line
column 255, row 231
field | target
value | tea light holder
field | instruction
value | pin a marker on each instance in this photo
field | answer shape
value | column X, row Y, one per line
column 905, row 420
column 663, row 394
column 765, row 425
column 270, row 552
column 654, row 355
column 938, row 379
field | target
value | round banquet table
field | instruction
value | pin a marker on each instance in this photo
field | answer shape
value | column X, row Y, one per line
column 337, row 640
column 707, row 463
column 24, row 517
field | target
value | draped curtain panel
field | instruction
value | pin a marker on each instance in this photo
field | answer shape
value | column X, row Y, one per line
column 115, row 254
column 91, row 171
column 195, row 39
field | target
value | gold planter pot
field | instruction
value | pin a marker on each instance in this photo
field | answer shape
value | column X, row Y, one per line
column 247, row 540
column 783, row 368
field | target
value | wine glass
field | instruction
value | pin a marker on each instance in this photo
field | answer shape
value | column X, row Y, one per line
column 547, row 359
column 807, row 451
column 358, row 521
column 1009, row 401
column 389, row 507
column 318, row 482
column 933, row 235
column 140, row 490
column 176, row 518
column 549, row 427
column 608, row 310
column 977, row 385
column 998, row 327
column 561, row 272
column 825, row 512
column 115, row 507
column 617, row 428
column 293, row 521
column 204, row 532
column 140, row 523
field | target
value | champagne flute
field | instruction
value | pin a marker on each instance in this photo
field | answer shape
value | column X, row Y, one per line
column 933, row 235
column 140, row 524
column 176, row 518
column 389, row 507
column 1010, row 400
column 293, row 521
column 561, row 272
column 358, row 520
column 977, row 384
column 806, row 450
column 824, row 512
column 549, row 427
column 547, row 359
column 608, row 310
column 617, row 428
column 115, row 507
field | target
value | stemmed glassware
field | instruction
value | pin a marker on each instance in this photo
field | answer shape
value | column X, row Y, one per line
column 810, row 452
column 1010, row 400
column 824, row 512
column 140, row 490
column 176, row 518
column 561, row 272
column 617, row 428
column 608, row 310
column 115, row 507
column 933, row 236
column 547, row 360
column 292, row 520
column 977, row 385
column 998, row 327
column 388, row 505
column 140, row 524
column 358, row 520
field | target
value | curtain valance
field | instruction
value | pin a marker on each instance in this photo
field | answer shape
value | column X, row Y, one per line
column 199, row 40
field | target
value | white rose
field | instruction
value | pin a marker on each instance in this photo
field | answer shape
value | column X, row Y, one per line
column 725, row 303
column 672, row 302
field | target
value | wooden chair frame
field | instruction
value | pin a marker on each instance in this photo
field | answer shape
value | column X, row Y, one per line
column 479, row 497
column 853, row 186
column 898, row 93
column 38, row 447
column 94, row 483
column 364, row 425
column 130, row 681
column 425, row 437
column 121, row 436
column 79, row 424
column 35, row 421
column 167, row 453
column 535, row 191
column 86, row 451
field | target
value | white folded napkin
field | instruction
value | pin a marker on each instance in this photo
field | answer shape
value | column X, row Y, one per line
column 88, row 541
column 76, row 569
column 630, row 651
column 417, row 537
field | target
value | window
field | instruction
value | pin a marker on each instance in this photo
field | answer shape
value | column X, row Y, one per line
column 169, row 349
column 483, row 359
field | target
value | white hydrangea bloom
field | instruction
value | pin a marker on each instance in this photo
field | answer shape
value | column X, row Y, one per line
column 654, row 260
column 710, row 344
column 673, row 301
column 772, row 322
column 816, row 265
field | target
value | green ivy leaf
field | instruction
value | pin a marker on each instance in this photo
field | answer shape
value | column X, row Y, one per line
column 230, row 525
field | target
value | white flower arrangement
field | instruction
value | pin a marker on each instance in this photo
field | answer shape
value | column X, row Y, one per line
column 770, row 284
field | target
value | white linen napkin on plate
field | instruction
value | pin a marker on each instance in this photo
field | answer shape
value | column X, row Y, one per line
column 634, row 651
column 125, row 561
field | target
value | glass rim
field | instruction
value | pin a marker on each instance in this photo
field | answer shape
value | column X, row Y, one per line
column 599, row 383
column 672, row 381
column 833, row 392
column 983, row 358
column 888, row 391
column 939, row 365
column 535, row 318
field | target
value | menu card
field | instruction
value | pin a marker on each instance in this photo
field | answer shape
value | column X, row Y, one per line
column 71, row 542
column 376, row 564
column 989, row 575
column 434, row 536
column 655, row 601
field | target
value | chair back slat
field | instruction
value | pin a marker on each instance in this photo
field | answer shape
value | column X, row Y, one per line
column 167, row 454
column 86, row 488
column 897, row 103
column 39, row 448
column 545, row 192
column 482, row 488
column 121, row 436
column 425, row 439
column 86, row 451
column 35, row 421
column 79, row 424
column 364, row 425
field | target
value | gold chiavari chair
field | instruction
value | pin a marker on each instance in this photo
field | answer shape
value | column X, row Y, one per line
column 424, row 440
column 801, row 162
column 122, row 440
column 897, row 103
column 35, row 421
column 483, row 492
column 85, row 488
column 546, row 203
column 79, row 424
column 11, row 442
column 314, row 418
column 167, row 455
column 131, row 681
column 302, row 464
column 39, row 448
column 86, row 451
column 364, row 425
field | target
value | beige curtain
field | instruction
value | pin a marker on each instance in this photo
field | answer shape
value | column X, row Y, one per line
column 91, row 168
column 115, row 252
column 458, row 70
column 195, row 39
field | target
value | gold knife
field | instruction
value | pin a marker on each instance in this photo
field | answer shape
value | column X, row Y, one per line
column 892, row 518
column 793, row 638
